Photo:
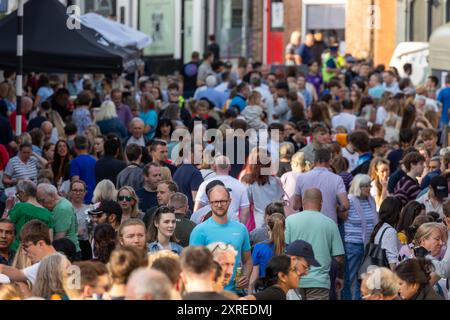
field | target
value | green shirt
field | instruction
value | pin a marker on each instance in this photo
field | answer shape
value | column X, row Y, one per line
column 65, row 220
column 323, row 235
column 24, row 212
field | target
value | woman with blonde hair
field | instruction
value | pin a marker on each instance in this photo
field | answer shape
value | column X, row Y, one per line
column 105, row 190
column 380, row 284
column 294, row 43
column 379, row 173
column 299, row 164
column 108, row 121
column 92, row 131
column 128, row 200
column 50, row 276
column 429, row 236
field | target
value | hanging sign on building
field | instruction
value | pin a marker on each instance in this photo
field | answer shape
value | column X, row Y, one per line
column 156, row 18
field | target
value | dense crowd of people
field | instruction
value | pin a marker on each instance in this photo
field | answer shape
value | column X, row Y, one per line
column 103, row 196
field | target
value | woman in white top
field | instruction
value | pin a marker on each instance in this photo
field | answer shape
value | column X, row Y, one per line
column 379, row 173
column 384, row 233
column 262, row 187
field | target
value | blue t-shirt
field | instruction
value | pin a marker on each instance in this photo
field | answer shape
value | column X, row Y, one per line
column 150, row 118
column 262, row 253
column 188, row 178
column 84, row 167
column 44, row 93
column 216, row 97
column 233, row 232
column 306, row 53
column 238, row 101
column 444, row 98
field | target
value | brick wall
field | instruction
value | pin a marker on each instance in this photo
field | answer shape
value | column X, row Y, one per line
column 292, row 18
column 385, row 35
column 257, row 30
column 357, row 33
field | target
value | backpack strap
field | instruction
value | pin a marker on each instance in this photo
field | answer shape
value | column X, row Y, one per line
column 382, row 235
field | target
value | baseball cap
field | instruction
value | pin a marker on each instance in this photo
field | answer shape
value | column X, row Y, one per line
column 440, row 186
column 334, row 48
column 108, row 207
column 350, row 59
column 300, row 248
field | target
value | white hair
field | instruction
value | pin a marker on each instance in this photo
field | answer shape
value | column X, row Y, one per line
column 107, row 111
column 48, row 189
column 382, row 281
column 358, row 180
column 218, row 248
column 136, row 119
column 211, row 81
column 105, row 190
column 144, row 282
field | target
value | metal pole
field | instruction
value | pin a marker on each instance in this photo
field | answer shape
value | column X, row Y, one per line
column 19, row 67
column 244, row 27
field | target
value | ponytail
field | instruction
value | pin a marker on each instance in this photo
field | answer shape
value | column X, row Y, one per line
column 276, row 224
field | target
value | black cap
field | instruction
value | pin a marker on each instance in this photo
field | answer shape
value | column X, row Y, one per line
column 300, row 248
column 440, row 186
column 108, row 207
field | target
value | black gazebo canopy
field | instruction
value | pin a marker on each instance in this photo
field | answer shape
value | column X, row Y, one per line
column 50, row 46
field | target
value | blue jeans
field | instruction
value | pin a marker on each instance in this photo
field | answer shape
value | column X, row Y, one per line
column 354, row 254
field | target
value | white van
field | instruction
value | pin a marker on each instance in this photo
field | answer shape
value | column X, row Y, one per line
column 415, row 53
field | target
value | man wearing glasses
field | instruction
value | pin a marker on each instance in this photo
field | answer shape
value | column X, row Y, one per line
column 64, row 217
column 77, row 194
column 35, row 240
column 219, row 228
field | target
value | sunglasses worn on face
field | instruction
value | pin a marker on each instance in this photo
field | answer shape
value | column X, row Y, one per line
column 125, row 198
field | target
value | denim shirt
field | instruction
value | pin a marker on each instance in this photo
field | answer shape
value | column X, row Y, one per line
column 156, row 246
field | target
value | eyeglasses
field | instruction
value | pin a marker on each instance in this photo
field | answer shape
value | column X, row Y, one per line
column 221, row 246
column 78, row 190
column 219, row 202
column 125, row 198
column 26, row 246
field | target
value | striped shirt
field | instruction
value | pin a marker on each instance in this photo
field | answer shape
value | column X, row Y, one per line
column 353, row 225
column 19, row 170
column 407, row 189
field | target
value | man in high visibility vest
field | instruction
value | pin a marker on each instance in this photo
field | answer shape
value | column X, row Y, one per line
column 332, row 65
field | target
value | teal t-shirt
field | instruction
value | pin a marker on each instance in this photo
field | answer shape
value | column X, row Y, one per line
column 233, row 232
column 150, row 118
column 323, row 235
column 24, row 212
column 65, row 220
